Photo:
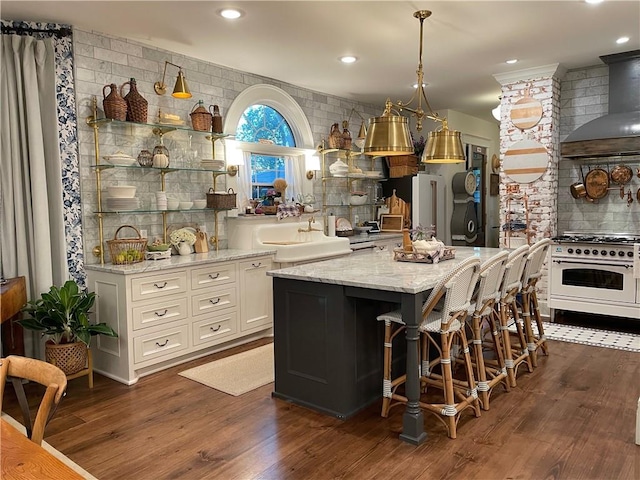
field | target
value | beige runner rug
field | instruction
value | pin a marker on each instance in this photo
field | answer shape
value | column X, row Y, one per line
column 236, row 374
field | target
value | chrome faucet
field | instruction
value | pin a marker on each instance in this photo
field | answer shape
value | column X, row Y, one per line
column 309, row 228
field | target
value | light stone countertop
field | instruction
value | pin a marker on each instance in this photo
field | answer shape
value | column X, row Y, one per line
column 179, row 261
column 377, row 270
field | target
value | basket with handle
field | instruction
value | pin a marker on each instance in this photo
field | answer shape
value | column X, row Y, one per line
column 125, row 251
column 221, row 200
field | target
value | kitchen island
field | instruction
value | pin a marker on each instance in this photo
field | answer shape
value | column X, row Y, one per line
column 328, row 344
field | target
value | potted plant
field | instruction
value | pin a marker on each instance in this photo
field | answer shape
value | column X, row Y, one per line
column 62, row 315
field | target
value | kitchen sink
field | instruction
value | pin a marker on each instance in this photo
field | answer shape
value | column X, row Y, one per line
column 294, row 242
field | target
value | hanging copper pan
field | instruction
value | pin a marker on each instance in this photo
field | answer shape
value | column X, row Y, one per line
column 621, row 174
column 597, row 183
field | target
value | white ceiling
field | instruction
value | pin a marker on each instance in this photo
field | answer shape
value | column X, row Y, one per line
column 299, row 42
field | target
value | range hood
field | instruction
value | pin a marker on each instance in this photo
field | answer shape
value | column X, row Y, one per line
column 618, row 132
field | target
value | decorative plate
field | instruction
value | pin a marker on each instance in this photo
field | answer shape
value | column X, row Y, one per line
column 343, row 224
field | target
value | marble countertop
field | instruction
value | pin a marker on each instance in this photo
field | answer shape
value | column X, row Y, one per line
column 178, row 261
column 377, row 270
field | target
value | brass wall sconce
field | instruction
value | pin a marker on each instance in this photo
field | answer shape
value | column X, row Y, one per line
column 180, row 90
column 232, row 170
column 312, row 164
column 235, row 157
column 389, row 134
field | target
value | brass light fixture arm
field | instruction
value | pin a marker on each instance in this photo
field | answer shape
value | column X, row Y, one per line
column 417, row 112
column 161, row 87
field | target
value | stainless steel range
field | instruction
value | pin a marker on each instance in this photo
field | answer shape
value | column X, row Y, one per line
column 595, row 273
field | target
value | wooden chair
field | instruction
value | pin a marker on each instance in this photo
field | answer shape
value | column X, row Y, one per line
column 443, row 314
column 529, row 299
column 489, row 373
column 514, row 354
column 16, row 369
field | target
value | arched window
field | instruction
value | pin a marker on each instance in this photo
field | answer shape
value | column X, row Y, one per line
column 264, row 124
column 273, row 134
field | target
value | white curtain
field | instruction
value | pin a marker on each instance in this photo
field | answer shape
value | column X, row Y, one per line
column 32, row 242
column 294, row 171
column 244, row 182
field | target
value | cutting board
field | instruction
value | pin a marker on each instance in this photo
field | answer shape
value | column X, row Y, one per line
column 526, row 112
column 525, row 161
column 201, row 242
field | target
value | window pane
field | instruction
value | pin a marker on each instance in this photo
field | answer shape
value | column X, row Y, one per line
column 261, row 122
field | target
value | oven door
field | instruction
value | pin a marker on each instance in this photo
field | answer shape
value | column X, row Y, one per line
column 592, row 281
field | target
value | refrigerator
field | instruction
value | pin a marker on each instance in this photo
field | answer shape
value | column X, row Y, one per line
column 428, row 204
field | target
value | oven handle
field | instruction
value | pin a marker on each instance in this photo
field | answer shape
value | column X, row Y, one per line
column 626, row 265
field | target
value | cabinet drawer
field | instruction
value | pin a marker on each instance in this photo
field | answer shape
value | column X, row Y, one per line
column 159, row 312
column 212, row 275
column 214, row 301
column 158, row 285
column 162, row 344
column 215, row 329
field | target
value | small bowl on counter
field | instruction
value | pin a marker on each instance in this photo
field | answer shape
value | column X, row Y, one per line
column 185, row 205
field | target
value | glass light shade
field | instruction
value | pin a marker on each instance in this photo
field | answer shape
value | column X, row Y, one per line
column 312, row 161
column 444, row 146
column 388, row 135
column 496, row 112
column 181, row 90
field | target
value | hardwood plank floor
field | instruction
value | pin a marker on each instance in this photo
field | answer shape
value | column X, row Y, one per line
column 572, row 418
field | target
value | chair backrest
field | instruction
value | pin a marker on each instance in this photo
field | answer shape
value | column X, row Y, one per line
column 535, row 261
column 17, row 368
column 490, row 281
column 512, row 281
column 456, row 288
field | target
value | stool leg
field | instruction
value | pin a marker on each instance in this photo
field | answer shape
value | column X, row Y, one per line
column 528, row 330
column 473, row 391
column 498, row 347
column 506, row 341
column 483, row 385
column 449, row 410
column 542, row 340
column 524, row 351
column 386, row 374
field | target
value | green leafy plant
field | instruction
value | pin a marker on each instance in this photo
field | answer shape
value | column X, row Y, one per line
column 62, row 314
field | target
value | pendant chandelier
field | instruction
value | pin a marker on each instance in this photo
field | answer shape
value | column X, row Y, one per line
column 389, row 133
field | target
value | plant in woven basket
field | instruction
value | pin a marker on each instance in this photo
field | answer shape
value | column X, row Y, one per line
column 62, row 315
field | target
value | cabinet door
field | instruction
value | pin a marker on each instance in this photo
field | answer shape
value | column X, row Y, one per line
column 256, row 292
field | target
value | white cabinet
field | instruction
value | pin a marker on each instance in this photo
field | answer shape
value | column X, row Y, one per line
column 174, row 314
column 255, row 293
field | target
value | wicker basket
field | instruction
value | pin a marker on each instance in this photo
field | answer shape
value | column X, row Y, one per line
column 68, row 357
column 221, row 200
column 125, row 251
column 137, row 106
column 200, row 118
column 402, row 165
column 115, row 107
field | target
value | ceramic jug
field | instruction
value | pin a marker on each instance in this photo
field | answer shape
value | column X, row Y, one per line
column 335, row 137
column 115, row 107
column 184, row 248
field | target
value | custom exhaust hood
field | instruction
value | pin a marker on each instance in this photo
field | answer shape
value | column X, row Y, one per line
column 618, row 132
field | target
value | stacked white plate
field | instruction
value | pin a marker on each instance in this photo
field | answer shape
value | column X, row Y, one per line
column 372, row 174
column 114, row 203
column 120, row 158
column 212, row 164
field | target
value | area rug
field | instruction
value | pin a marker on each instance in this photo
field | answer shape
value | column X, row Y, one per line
column 591, row 336
column 236, row 374
column 56, row 453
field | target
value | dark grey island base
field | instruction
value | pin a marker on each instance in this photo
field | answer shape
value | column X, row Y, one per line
column 327, row 341
column 328, row 356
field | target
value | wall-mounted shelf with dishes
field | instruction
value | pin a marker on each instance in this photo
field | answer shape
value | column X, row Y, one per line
column 348, row 190
column 128, row 204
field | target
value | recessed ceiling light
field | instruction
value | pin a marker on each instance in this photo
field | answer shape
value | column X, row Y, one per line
column 348, row 59
column 622, row 40
column 230, row 13
column 512, row 61
column 593, row 2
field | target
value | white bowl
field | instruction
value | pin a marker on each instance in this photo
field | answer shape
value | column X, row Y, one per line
column 121, row 191
column 173, row 203
column 358, row 199
column 185, row 205
column 200, row 203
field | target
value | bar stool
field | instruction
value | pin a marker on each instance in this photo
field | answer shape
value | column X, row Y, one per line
column 531, row 275
column 508, row 310
column 443, row 314
column 489, row 373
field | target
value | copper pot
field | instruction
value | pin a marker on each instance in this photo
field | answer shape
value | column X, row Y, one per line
column 578, row 190
column 621, row 174
column 597, row 183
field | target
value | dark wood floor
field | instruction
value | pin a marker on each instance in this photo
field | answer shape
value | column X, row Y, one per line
column 572, row 418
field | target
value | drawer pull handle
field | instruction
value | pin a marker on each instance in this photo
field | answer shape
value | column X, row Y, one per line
column 214, row 277
column 216, row 329
column 160, row 286
column 161, row 314
column 213, row 302
column 164, row 344
column 256, row 265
